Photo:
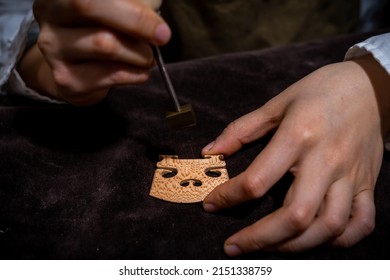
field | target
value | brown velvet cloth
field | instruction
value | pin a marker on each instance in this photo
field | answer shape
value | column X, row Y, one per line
column 74, row 182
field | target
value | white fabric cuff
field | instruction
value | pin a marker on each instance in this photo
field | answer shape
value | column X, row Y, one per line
column 17, row 85
column 10, row 75
column 379, row 47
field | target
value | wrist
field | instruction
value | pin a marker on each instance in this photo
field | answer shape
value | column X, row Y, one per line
column 36, row 73
column 380, row 82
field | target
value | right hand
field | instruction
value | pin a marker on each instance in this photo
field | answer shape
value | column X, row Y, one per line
column 328, row 130
column 86, row 47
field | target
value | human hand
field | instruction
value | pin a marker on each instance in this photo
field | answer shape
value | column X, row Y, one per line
column 86, row 47
column 329, row 134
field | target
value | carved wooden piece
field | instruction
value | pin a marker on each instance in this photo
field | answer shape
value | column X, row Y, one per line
column 187, row 180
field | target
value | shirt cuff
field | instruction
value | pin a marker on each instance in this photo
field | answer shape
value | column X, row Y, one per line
column 18, row 86
column 10, row 77
column 378, row 47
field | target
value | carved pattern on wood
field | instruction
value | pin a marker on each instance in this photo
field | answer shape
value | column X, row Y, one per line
column 187, row 180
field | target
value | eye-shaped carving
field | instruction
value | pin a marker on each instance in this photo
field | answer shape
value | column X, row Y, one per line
column 213, row 173
column 194, row 182
column 169, row 173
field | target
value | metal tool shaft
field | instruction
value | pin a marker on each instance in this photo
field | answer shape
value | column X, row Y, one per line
column 165, row 76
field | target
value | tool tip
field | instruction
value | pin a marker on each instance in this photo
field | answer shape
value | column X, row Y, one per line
column 184, row 118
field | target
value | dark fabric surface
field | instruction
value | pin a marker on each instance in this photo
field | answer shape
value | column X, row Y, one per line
column 74, row 182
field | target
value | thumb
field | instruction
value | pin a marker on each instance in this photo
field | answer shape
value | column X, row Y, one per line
column 154, row 4
column 244, row 130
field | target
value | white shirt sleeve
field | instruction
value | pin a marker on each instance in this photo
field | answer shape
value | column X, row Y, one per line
column 16, row 19
column 14, row 25
column 379, row 47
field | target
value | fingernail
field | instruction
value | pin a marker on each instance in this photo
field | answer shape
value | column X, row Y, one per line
column 232, row 250
column 163, row 33
column 209, row 207
column 208, row 147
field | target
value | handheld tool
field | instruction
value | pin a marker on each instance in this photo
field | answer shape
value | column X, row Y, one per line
column 182, row 116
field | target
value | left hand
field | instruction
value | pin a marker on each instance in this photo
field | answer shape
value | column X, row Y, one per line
column 329, row 134
column 84, row 48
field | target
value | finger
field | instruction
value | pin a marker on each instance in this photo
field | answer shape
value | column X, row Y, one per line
column 75, row 80
column 154, row 4
column 289, row 221
column 134, row 18
column 85, row 99
column 100, row 44
column 267, row 168
column 361, row 222
column 330, row 222
column 248, row 128
column 281, row 154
